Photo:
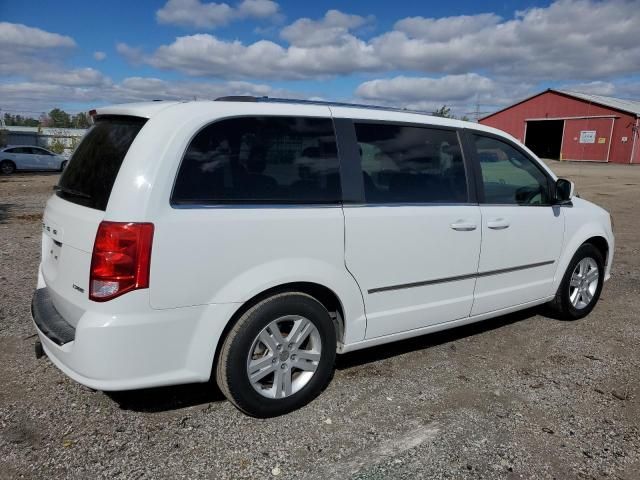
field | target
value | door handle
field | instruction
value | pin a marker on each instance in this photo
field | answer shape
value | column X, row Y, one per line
column 498, row 224
column 462, row 226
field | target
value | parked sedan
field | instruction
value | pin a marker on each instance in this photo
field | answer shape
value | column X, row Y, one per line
column 25, row 157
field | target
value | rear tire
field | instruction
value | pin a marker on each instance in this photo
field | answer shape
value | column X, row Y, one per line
column 581, row 285
column 278, row 356
column 63, row 165
column 7, row 167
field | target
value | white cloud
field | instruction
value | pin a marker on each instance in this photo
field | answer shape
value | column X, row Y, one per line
column 99, row 56
column 206, row 55
column 446, row 28
column 46, row 94
column 422, row 63
column 22, row 37
column 332, row 29
column 132, row 54
column 450, row 88
column 79, row 77
column 570, row 39
column 195, row 13
column 576, row 40
column 461, row 92
column 597, row 88
column 258, row 8
column 24, row 50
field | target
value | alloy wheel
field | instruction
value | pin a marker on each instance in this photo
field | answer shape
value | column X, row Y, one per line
column 284, row 356
column 584, row 283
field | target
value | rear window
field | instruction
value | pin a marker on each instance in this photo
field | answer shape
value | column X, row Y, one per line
column 93, row 168
column 270, row 160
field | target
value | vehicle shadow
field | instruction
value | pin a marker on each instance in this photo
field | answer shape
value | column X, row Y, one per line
column 162, row 399
column 388, row 350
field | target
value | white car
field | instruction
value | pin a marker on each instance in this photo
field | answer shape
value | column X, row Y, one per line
column 27, row 157
column 250, row 240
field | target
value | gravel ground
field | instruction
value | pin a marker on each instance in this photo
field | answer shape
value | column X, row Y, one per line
column 521, row 396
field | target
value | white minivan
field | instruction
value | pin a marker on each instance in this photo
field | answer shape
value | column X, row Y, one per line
column 252, row 239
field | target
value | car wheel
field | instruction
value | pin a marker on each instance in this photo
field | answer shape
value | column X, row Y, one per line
column 7, row 167
column 581, row 285
column 63, row 165
column 278, row 356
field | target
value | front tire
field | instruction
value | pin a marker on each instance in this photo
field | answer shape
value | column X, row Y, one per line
column 7, row 167
column 581, row 285
column 278, row 356
column 63, row 165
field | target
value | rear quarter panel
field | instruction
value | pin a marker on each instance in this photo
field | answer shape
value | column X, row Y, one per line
column 229, row 255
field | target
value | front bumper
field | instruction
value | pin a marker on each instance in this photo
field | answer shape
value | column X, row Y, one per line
column 129, row 351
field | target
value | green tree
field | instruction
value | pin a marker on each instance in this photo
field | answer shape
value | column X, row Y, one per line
column 57, row 146
column 443, row 111
column 59, row 118
column 81, row 120
column 19, row 121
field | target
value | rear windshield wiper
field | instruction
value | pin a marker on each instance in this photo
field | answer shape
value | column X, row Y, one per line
column 71, row 192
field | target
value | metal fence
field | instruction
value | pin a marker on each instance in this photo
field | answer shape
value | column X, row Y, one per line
column 61, row 140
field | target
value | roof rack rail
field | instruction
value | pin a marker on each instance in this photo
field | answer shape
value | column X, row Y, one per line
column 265, row 99
column 237, row 98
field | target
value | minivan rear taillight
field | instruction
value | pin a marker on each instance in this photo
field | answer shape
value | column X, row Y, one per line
column 121, row 259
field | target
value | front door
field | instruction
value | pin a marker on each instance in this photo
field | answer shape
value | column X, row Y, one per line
column 522, row 233
column 413, row 244
column 25, row 158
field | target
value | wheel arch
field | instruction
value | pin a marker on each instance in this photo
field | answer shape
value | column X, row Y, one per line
column 15, row 166
column 601, row 244
column 323, row 294
column 589, row 233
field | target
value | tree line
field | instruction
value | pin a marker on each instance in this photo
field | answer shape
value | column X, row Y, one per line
column 56, row 118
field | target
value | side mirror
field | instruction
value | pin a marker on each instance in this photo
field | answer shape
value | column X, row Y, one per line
column 565, row 191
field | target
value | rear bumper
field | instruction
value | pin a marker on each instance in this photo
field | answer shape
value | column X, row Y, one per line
column 48, row 320
column 131, row 351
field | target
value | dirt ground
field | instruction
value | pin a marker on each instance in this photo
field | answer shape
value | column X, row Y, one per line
column 521, row 396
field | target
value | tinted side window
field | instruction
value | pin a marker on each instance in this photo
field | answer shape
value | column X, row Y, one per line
column 510, row 177
column 406, row 164
column 94, row 166
column 261, row 160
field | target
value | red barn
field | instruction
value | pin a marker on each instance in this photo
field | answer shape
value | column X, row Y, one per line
column 574, row 126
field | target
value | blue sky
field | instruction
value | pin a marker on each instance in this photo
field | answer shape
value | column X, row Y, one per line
column 79, row 54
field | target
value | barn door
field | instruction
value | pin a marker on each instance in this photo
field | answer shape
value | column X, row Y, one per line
column 587, row 139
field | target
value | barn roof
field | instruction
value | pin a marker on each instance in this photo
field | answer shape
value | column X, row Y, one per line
column 622, row 104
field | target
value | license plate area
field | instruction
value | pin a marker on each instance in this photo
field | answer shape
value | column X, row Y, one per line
column 51, row 253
